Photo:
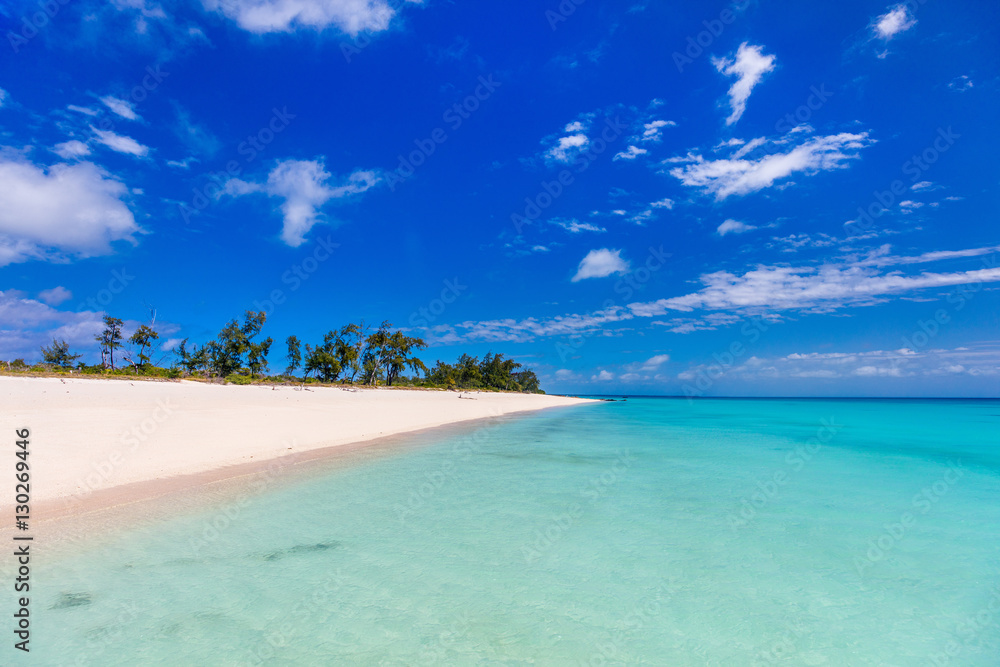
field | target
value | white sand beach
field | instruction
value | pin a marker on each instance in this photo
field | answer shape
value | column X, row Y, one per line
column 91, row 436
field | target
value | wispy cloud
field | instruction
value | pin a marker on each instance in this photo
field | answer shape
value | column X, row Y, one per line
column 120, row 143
column 739, row 176
column 748, row 66
column 119, row 107
column 303, row 184
column 575, row 226
column 71, row 149
column 733, row 227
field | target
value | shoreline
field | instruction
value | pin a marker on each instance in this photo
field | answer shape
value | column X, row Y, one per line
column 101, row 444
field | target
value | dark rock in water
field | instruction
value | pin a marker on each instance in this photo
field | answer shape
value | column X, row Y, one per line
column 301, row 549
column 67, row 600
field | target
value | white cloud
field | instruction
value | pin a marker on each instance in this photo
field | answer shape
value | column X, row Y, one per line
column 567, row 148
column 793, row 242
column 86, row 111
column 749, row 146
column 642, row 217
column 527, row 329
column 749, row 66
column 663, row 203
column 26, row 324
column 603, row 376
column 725, row 177
column 182, row 164
column 3, row 96
column 654, row 131
column 303, row 185
column 630, row 154
column 263, row 16
column 762, row 292
column 71, row 149
column 120, row 143
column 55, row 296
column 654, row 362
column 539, row 248
column 896, row 20
column 822, row 288
column 120, row 107
column 733, row 227
column 981, row 360
column 171, row 344
column 75, row 209
column 961, row 84
column 922, row 185
column 600, row 264
column 575, row 226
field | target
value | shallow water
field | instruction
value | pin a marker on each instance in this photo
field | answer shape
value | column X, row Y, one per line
column 652, row 531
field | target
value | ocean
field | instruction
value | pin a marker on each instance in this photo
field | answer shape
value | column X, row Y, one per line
column 639, row 532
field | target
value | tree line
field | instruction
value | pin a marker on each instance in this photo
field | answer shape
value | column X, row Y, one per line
column 353, row 354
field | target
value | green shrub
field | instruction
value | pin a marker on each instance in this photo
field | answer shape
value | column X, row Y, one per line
column 238, row 379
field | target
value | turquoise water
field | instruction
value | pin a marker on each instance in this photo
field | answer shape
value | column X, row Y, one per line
column 646, row 532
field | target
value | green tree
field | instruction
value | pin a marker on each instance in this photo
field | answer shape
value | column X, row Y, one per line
column 235, row 342
column 398, row 356
column 143, row 339
column 469, row 375
column 322, row 359
column 350, row 347
column 58, row 354
column 294, row 354
column 110, row 340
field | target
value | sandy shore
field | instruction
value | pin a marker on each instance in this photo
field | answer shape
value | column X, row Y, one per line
column 90, row 438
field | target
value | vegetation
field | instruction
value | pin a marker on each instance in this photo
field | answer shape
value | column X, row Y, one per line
column 58, row 354
column 352, row 354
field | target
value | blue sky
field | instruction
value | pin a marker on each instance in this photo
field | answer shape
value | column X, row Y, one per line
column 639, row 197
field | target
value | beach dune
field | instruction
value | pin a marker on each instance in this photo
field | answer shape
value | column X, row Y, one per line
column 89, row 436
